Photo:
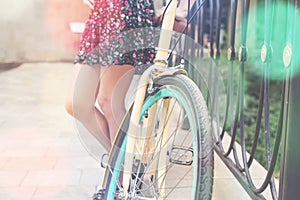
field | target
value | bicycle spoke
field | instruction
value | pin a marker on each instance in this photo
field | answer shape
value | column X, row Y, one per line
column 173, row 188
column 164, row 147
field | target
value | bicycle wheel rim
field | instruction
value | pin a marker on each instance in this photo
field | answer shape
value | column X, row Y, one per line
column 167, row 92
column 163, row 93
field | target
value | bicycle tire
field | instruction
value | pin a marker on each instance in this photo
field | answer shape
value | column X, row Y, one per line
column 188, row 95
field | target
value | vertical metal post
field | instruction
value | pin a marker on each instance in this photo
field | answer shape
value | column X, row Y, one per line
column 290, row 165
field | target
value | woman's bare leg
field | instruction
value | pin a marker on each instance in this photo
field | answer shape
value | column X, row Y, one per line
column 115, row 81
column 81, row 103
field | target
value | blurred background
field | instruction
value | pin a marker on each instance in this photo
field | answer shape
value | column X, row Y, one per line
column 39, row 30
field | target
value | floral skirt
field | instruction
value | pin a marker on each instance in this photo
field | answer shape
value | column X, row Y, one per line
column 119, row 32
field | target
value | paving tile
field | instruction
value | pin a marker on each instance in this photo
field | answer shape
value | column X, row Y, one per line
column 228, row 189
column 17, row 193
column 26, row 137
column 220, row 169
column 24, row 151
column 29, row 163
column 70, row 150
column 2, row 160
column 52, row 178
column 91, row 177
column 64, row 193
column 77, row 162
column 12, row 178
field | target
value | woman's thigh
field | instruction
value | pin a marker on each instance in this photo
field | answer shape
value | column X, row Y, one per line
column 114, row 84
column 84, row 89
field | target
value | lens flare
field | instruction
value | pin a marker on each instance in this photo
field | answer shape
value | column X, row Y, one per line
column 60, row 16
column 279, row 24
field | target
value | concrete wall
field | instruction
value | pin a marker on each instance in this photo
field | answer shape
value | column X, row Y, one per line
column 38, row 30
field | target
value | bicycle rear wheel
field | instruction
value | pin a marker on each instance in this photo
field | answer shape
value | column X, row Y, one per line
column 172, row 161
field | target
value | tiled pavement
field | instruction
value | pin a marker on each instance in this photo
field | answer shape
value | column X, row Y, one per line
column 41, row 156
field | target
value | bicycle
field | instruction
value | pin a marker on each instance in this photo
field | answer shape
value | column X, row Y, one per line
column 153, row 143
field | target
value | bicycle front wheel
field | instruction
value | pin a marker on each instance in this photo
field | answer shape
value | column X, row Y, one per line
column 173, row 152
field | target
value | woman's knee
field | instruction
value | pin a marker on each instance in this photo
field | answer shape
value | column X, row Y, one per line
column 75, row 108
column 69, row 106
column 105, row 104
column 79, row 109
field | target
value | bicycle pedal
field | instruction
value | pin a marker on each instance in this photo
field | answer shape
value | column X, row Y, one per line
column 181, row 155
column 104, row 160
